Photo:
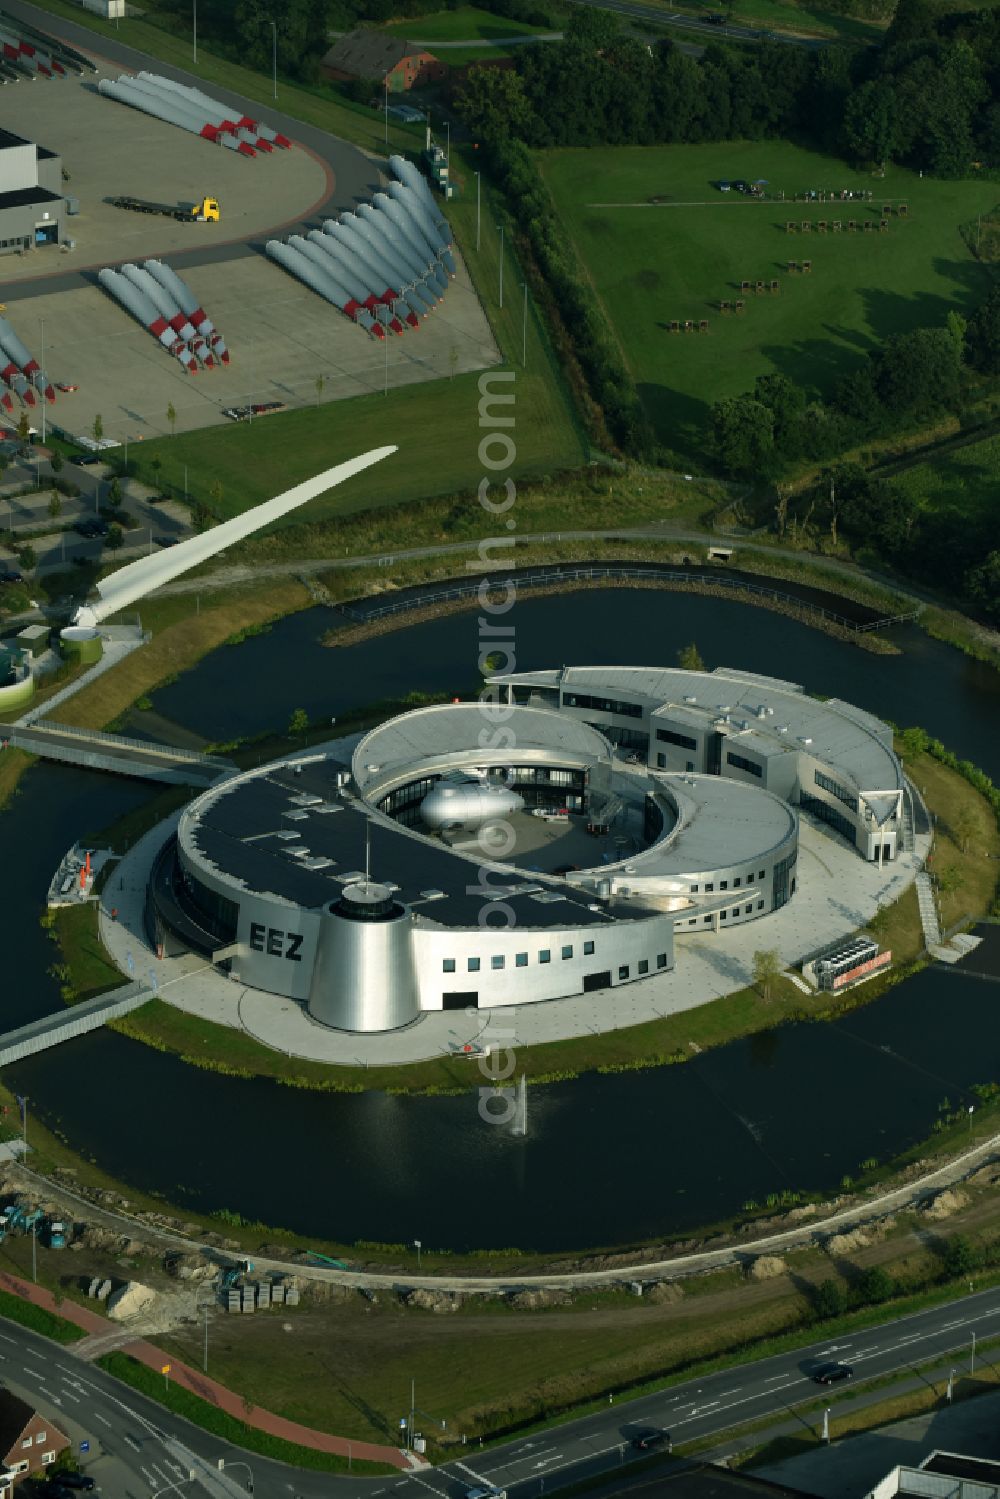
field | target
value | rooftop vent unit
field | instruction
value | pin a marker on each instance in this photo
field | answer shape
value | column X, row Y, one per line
column 690, row 699
column 744, row 724
column 546, row 897
column 325, row 807
column 317, row 861
column 354, row 877
column 432, row 894
column 804, row 739
column 306, row 799
column 373, row 769
column 782, row 728
column 762, row 711
column 296, row 816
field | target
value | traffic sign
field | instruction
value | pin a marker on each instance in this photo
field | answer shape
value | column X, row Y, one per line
column 84, row 1446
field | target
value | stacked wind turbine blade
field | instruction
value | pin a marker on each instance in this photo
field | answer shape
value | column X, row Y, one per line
column 404, row 171
column 378, row 299
column 145, row 311
column 188, row 303
column 323, row 282
column 168, row 309
column 193, row 110
column 69, row 59
column 263, row 136
column 28, row 367
column 439, row 239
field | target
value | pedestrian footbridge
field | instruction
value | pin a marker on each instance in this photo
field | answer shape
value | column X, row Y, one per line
column 89, row 1015
column 96, row 749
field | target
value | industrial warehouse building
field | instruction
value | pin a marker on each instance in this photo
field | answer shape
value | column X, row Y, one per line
column 32, row 202
column 416, row 877
column 377, row 57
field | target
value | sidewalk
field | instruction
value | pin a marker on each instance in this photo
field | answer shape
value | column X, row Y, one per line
column 200, row 1384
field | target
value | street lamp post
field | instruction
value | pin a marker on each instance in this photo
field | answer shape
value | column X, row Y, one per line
column 41, row 321
column 479, row 186
column 447, row 148
column 500, row 227
column 385, row 107
column 418, row 1245
column 524, row 326
column 194, row 29
column 951, row 1387
column 972, row 1361
column 274, row 58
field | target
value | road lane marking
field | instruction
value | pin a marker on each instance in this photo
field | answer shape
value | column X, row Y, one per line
column 6, row 1339
column 132, row 1442
column 103, row 1419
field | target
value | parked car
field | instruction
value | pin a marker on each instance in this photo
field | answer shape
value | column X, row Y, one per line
column 82, row 1481
column 832, row 1373
column 86, row 528
column 10, row 575
column 87, row 460
column 157, row 499
column 166, row 541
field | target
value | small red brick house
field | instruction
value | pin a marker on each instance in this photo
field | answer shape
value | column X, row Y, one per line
column 28, row 1443
column 387, row 60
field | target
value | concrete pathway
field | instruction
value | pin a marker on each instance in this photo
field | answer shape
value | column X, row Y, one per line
column 928, row 911
column 210, row 1390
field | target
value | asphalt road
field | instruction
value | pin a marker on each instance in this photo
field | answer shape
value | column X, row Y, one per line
column 142, row 1445
column 731, row 32
column 355, row 176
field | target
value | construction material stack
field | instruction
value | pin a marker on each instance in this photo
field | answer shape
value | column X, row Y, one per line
column 20, row 372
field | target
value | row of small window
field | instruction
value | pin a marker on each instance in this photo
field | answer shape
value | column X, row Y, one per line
column 499, row 961
column 724, row 915
column 602, row 704
column 724, row 884
column 670, row 736
column 39, row 1439
column 740, row 762
column 849, row 798
column 14, row 244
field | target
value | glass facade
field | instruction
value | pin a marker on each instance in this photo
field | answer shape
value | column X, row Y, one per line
column 740, row 762
column 783, row 885
column 602, row 704
column 849, row 798
column 670, row 736
column 214, row 912
column 829, row 815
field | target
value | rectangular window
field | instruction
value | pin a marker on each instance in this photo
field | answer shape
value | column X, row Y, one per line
column 724, row 915
column 48, row 1457
column 661, row 958
column 740, row 762
column 497, row 960
column 694, row 889
column 689, row 765
column 588, row 948
column 448, row 966
column 761, row 875
column 521, row 960
column 661, row 762
column 26, row 1442
column 567, row 952
column 708, row 921
column 709, row 889
column 736, row 910
column 747, row 909
column 682, row 741
column 41, row 1438
column 622, row 972
column 545, row 955
column 760, row 905
column 473, row 965
column 643, row 966
column 736, row 883
column 602, row 704
column 723, row 884
column 21, row 1467
column 849, row 798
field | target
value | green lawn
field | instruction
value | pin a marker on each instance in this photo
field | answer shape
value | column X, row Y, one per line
column 783, row 15
column 466, row 24
column 678, row 258
column 967, row 480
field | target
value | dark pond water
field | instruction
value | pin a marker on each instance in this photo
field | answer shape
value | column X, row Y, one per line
column 666, row 1150
column 246, row 689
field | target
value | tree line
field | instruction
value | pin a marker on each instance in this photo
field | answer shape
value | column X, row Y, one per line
column 926, row 96
column 912, row 377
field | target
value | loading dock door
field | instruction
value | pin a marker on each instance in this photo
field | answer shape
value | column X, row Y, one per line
column 592, row 981
column 460, row 999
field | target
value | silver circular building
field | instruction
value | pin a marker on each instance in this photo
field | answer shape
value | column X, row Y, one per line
column 569, row 858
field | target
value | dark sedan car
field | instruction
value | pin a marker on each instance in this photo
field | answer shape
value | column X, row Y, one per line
column 10, row 575
column 832, row 1373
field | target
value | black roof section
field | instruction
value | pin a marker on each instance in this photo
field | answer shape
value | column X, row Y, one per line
column 292, row 834
column 8, row 138
column 23, row 196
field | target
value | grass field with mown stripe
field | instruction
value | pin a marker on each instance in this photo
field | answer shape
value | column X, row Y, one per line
column 680, row 256
column 466, row 24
